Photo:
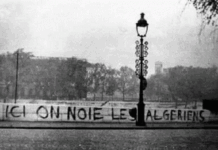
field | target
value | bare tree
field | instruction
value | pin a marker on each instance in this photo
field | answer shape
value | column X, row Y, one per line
column 208, row 10
column 125, row 75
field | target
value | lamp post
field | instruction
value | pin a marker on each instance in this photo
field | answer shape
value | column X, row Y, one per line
column 16, row 84
column 141, row 67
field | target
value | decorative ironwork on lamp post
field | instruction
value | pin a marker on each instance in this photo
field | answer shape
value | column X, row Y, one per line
column 141, row 67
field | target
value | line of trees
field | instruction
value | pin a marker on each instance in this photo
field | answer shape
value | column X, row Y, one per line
column 55, row 78
column 74, row 78
column 188, row 84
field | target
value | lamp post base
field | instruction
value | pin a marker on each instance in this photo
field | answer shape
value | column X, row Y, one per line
column 140, row 121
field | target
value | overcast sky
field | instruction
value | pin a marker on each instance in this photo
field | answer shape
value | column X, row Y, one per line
column 104, row 31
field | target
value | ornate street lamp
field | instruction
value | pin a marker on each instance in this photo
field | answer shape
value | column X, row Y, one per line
column 141, row 67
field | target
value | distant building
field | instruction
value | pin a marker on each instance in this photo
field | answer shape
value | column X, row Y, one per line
column 158, row 67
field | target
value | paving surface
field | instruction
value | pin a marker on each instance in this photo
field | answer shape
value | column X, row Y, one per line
column 85, row 139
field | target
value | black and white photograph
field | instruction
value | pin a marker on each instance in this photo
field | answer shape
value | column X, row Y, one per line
column 108, row 75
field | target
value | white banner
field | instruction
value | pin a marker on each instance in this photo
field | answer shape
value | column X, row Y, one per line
column 62, row 113
column 176, row 115
column 72, row 113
